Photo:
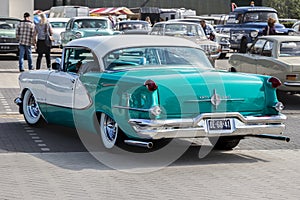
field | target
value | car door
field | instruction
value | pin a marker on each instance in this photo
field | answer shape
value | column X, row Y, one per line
column 67, row 35
column 265, row 62
column 250, row 59
column 61, row 87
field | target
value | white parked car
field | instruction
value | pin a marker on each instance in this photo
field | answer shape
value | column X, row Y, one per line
column 277, row 55
column 58, row 26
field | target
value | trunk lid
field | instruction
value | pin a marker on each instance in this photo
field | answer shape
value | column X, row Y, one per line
column 190, row 91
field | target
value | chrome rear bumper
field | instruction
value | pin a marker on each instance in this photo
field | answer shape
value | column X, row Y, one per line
column 196, row 127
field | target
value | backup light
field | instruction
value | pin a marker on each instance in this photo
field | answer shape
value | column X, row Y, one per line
column 156, row 110
column 279, row 106
column 275, row 82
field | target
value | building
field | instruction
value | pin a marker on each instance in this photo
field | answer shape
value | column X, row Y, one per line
column 16, row 8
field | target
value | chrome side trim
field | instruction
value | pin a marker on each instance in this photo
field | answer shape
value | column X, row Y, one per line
column 107, row 84
column 209, row 100
column 129, row 108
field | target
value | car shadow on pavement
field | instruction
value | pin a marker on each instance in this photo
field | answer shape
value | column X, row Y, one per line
column 8, row 57
column 290, row 101
column 66, row 149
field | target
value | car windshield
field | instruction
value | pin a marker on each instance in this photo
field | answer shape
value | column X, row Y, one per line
column 8, row 24
column 91, row 23
column 58, row 24
column 142, row 57
column 288, row 49
column 134, row 26
column 259, row 16
column 184, row 30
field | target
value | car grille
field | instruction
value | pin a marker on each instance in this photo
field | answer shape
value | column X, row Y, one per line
column 8, row 40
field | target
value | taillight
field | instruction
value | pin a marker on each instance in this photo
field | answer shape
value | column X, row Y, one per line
column 275, row 82
column 151, row 85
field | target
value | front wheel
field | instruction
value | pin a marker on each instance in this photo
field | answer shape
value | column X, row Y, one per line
column 31, row 109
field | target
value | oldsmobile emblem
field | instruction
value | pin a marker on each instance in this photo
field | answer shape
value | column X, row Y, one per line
column 215, row 99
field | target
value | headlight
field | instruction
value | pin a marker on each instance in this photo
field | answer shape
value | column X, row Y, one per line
column 78, row 35
column 254, row 34
column 224, row 39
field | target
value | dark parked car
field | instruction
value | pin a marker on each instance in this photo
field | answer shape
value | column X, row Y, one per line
column 8, row 40
column 245, row 24
column 133, row 27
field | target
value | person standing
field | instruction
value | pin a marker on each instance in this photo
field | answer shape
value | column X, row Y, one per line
column 147, row 19
column 208, row 30
column 270, row 28
column 42, row 29
column 25, row 35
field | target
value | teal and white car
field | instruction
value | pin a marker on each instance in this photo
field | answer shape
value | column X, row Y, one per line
column 80, row 27
column 8, row 41
column 139, row 89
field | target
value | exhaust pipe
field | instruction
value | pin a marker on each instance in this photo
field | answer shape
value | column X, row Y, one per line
column 148, row 145
column 275, row 137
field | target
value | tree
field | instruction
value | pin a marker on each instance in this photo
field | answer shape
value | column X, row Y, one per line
column 285, row 8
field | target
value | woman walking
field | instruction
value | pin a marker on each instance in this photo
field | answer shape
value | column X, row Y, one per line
column 43, row 29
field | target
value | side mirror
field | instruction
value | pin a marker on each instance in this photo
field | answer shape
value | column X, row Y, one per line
column 55, row 66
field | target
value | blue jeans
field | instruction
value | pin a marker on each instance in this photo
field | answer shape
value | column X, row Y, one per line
column 23, row 49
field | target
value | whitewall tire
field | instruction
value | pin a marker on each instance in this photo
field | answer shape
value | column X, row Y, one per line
column 31, row 109
column 108, row 131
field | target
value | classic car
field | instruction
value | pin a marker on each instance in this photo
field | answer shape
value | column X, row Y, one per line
column 79, row 27
column 8, row 41
column 275, row 55
column 58, row 26
column 190, row 31
column 296, row 27
column 245, row 24
column 139, row 89
column 133, row 27
column 220, row 39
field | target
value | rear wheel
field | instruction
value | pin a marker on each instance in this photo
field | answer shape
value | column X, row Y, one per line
column 225, row 143
column 31, row 109
column 109, row 131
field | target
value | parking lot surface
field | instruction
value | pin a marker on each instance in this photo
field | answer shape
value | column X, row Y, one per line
column 52, row 163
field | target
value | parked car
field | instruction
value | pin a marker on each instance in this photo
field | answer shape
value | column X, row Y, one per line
column 190, row 31
column 245, row 24
column 8, row 41
column 220, row 39
column 272, row 55
column 296, row 27
column 133, row 27
column 79, row 27
column 141, row 88
column 58, row 26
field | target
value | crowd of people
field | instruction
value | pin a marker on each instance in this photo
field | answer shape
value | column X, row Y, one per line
column 30, row 34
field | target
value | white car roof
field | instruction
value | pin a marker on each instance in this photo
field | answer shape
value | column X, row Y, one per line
column 101, row 45
column 58, row 19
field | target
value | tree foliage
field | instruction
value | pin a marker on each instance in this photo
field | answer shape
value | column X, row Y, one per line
column 285, row 8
